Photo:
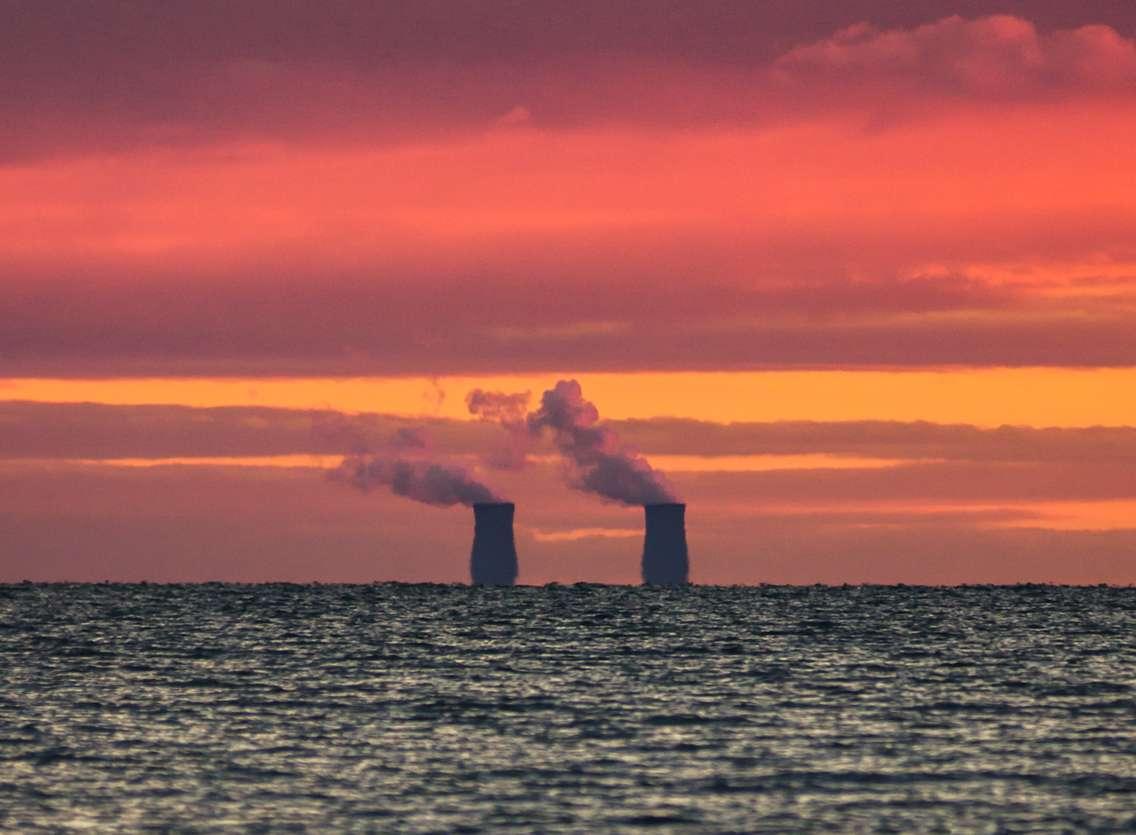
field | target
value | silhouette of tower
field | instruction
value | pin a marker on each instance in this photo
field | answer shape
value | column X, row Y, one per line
column 665, row 561
column 493, row 561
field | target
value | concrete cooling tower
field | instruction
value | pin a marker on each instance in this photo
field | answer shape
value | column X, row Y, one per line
column 493, row 561
column 665, row 561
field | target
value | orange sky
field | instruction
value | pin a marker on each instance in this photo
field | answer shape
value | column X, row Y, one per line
column 983, row 397
column 873, row 215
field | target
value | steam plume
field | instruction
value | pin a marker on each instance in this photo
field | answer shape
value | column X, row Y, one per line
column 418, row 478
column 507, row 410
column 598, row 461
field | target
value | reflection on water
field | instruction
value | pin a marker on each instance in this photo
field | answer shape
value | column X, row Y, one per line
column 427, row 708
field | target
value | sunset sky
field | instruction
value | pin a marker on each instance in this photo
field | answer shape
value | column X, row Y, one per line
column 859, row 277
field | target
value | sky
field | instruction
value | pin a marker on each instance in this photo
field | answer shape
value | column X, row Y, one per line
column 857, row 280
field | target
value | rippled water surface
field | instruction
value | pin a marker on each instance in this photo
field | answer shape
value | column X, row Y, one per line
column 585, row 708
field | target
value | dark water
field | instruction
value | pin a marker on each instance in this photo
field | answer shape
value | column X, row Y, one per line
column 436, row 708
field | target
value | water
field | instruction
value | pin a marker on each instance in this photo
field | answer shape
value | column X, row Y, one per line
column 444, row 708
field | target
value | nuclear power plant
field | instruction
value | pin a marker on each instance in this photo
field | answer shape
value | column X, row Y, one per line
column 595, row 459
column 493, row 561
column 665, row 561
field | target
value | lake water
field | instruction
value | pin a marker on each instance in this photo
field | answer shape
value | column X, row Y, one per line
column 418, row 708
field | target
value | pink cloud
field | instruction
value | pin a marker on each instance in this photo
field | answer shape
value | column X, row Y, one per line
column 1000, row 56
column 87, row 79
column 93, row 431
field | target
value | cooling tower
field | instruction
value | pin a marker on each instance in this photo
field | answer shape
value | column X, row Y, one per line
column 494, row 558
column 665, row 561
